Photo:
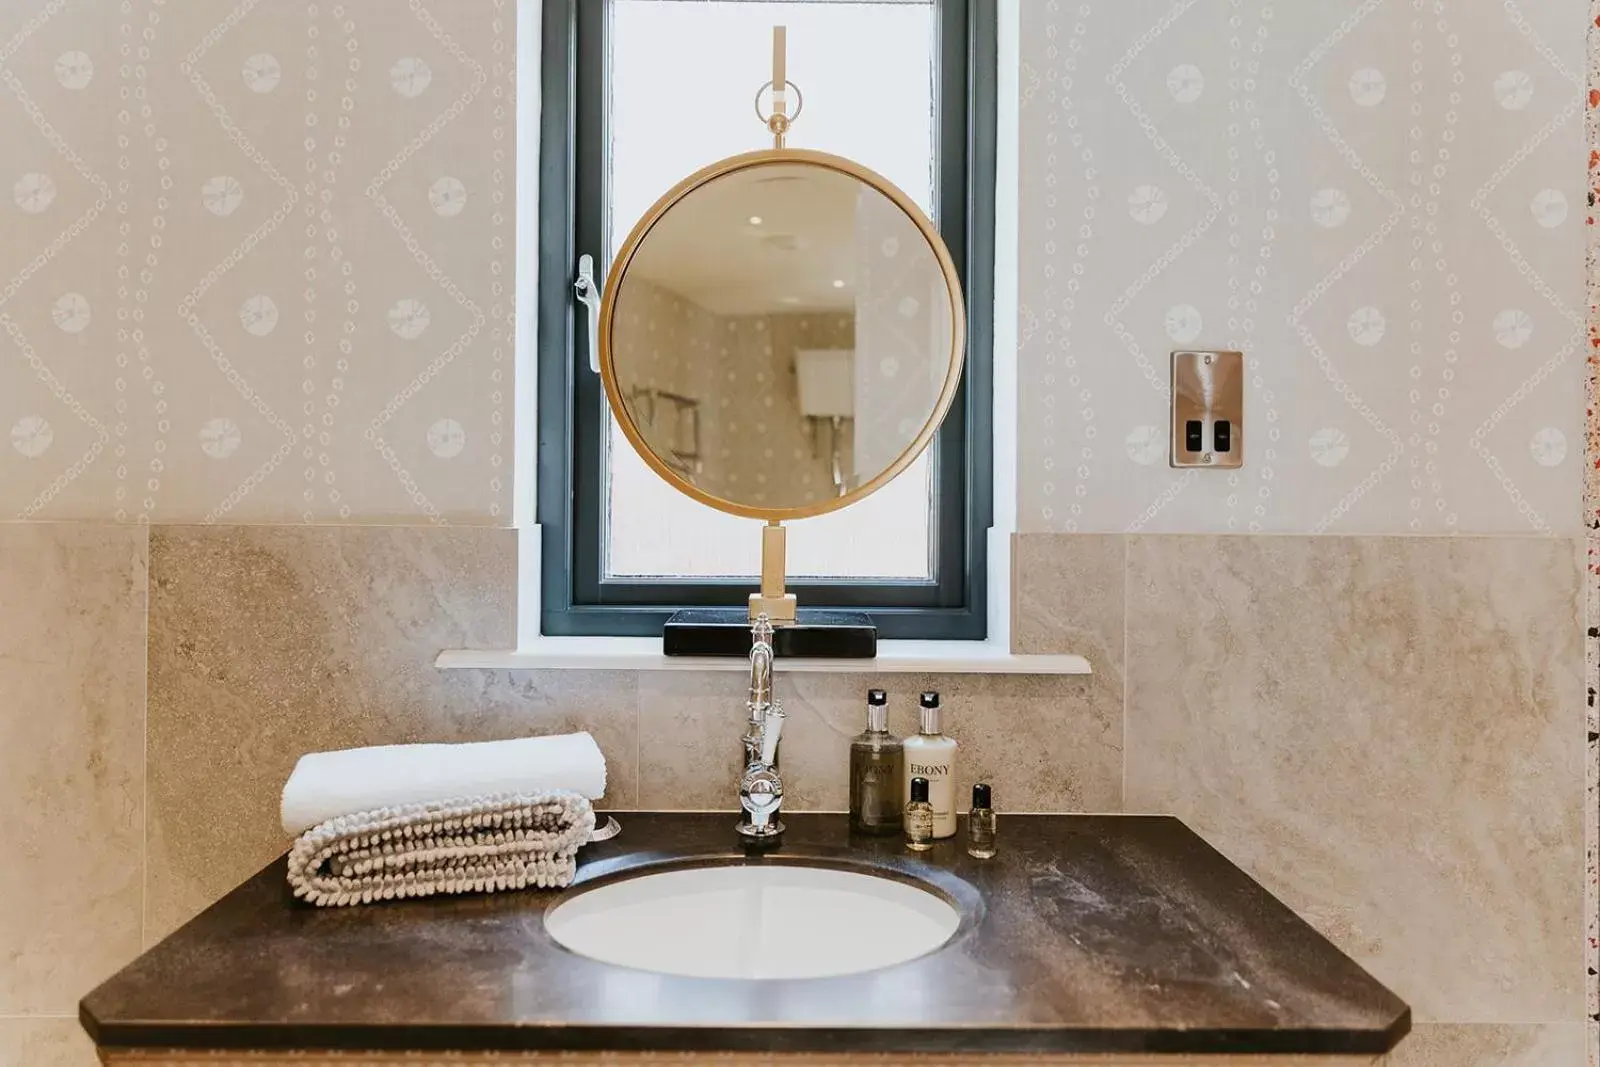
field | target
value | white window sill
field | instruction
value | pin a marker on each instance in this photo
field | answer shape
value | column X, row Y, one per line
column 644, row 654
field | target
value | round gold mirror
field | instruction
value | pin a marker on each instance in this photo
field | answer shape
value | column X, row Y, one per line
column 781, row 334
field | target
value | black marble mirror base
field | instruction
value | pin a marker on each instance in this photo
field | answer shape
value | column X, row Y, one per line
column 815, row 634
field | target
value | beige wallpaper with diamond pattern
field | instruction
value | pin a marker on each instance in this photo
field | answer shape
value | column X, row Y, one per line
column 256, row 259
column 1381, row 202
column 255, row 264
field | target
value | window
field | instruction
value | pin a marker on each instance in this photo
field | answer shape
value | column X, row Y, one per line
column 637, row 94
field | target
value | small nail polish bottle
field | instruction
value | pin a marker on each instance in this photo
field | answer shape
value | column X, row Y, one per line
column 919, row 817
column 981, row 823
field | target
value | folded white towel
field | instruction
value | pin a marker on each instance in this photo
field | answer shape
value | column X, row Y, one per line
column 477, row 845
column 326, row 785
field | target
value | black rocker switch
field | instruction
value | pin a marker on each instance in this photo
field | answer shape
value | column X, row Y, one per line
column 1192, row 436
column 1222, row 435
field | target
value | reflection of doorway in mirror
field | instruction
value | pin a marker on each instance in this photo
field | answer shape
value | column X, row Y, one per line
column 826, row 379
column 757, row 384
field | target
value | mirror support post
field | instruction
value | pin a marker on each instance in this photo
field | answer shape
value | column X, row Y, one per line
column 772, row 601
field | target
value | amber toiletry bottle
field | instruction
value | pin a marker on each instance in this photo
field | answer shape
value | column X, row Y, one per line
column 919, row 817
column 876, row 804
column 981, row 823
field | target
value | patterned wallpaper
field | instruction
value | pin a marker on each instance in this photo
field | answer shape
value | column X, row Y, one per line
column 1382, row 203
column 256, row 259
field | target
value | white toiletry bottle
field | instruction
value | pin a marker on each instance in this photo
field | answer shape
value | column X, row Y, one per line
column 930, row 754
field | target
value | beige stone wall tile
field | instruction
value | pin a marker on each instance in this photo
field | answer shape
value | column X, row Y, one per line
column 689, row 748
column 1505, row 1045
column 1388, row 734
column 270, row 642
column 1067, row 597
column 1048, row 743
column 58, row 1042
column 72, row 641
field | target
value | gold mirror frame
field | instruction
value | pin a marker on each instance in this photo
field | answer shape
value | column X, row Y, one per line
column 731, row 165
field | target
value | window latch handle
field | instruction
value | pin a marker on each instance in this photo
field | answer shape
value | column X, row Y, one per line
column 588, row 291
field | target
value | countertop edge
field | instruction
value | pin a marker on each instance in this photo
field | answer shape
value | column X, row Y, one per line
column 771, row 1039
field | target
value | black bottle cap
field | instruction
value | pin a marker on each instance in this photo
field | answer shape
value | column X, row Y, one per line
column 877, row 697
column 982, row 797
column 919, row 790
column 930, row 699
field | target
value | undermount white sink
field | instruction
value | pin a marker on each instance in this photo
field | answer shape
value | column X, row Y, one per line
column 756, row 922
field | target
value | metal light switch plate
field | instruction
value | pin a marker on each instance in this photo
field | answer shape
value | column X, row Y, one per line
column 1208, row 409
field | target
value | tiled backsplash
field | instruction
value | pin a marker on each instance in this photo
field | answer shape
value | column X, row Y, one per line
column 1387, row 732
column 72, row 770
column 1492, row 1045
column 267, row 642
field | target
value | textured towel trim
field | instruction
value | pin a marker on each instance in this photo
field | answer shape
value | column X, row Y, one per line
column 470, row 845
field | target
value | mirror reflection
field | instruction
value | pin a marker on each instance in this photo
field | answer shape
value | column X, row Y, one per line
column 783, row 335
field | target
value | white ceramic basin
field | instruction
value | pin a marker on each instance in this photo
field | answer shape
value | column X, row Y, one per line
column 768, row 921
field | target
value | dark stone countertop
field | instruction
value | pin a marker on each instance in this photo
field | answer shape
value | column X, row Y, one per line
column 1098, row 933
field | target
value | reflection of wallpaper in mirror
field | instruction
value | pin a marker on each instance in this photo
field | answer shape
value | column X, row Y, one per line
column 754, row 445
column 667, row 340
column 902, row 331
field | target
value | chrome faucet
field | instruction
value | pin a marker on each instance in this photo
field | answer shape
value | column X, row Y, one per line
column 760, row 785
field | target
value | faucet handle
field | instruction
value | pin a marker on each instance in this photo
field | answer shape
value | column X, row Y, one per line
column 761, row 794
column 772, row 733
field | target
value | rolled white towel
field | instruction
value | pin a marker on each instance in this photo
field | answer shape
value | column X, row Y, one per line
column 326, row 785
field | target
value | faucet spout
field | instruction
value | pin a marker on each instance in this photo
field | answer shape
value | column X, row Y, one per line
column 760, row 667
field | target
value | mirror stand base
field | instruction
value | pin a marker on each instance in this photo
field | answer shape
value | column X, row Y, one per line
column 816, row 634
column 780, row 609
